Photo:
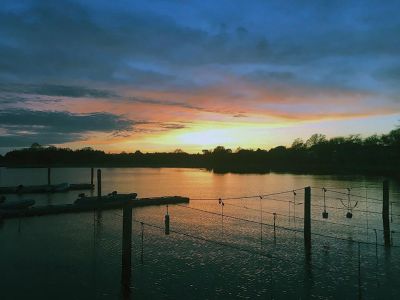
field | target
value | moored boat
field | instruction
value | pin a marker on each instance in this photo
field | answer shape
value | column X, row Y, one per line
column 62, row 187
column 113, row 197
column 17, row 204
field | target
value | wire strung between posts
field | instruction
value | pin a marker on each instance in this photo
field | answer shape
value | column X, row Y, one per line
column 236, row 218
column 245, row 197
column 263, row 198
column 219, row 243
column 359, row 210
column 271, row 225
column 315, row 220
column 280, row 227
column 322, row 268
column 354, row 187
column 338, row 199
column 357, row 196
column 267, row 255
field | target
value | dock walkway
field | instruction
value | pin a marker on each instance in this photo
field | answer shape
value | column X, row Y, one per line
column 100, row 205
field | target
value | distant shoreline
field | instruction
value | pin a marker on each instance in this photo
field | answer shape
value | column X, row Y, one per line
column 374, row 155
column 225, row 170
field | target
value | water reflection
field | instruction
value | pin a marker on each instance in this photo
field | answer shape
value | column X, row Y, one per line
column 81, row 253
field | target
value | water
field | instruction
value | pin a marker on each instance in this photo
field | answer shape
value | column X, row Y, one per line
column 78, row 256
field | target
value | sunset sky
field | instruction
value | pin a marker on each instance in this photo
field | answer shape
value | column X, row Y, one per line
column 160, row 75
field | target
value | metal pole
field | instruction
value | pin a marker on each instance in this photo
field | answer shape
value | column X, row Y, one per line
column 307, row 222
column 98, row 183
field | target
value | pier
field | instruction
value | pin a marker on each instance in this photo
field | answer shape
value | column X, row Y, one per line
column 40, row 189
column 49, row 187
column 121, row 201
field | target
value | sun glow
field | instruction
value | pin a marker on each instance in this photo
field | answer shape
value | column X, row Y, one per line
column 206, row 138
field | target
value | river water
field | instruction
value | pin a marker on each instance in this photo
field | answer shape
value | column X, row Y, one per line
column 206, row 256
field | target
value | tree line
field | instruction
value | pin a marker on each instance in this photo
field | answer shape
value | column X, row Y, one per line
column 377, row 154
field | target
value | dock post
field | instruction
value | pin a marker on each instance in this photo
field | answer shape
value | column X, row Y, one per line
column 385, row 214
column 307, row 222
column 48, row 176
column 91, row 176
column 166, row 221
column 99, row 183
column 126, row 246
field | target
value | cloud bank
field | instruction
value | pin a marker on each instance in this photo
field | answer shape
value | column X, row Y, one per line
column 161, row 65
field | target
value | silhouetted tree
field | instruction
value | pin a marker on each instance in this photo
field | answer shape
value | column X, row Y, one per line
column 376, row 153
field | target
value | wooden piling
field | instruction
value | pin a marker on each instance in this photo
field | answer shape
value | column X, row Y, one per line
column 307, row 222
column 99, row 183
column 385, row 214
column 126, row 246
column 91, row 175
column 274, row 225
column 48, row 176
column 166, row 223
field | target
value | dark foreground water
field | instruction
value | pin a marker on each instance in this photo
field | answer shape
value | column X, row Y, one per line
column 78, row 256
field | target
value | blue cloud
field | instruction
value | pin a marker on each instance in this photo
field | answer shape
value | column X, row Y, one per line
column 23, row 127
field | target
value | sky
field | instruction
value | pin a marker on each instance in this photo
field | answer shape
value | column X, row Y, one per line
column 161, row 75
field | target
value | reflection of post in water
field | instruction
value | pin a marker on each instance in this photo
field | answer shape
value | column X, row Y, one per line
column 19, row 225
column 91, row 180
column 385, row 215
column 99, row 183
column 126, row 249
column 91, row 177
column 272, row 279
column 48, row 176
column 99, row 216
column 359, row 273
column 125, row 293
column 49, row 199
column 308, row 279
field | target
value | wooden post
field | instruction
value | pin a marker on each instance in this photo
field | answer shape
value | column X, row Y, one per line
column 91, row 176
column 126, row 246
column 307, row 222
column 385, row 214
column 98, row 183
column 48, row 176
column 166, row 222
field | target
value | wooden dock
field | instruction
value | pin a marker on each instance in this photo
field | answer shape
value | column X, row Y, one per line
column 53, row 188
column 100, row 205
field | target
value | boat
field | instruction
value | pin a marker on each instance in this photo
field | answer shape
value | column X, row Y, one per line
column 110, row 198
column 17, row 204
column 62, row 187
column 29, row 189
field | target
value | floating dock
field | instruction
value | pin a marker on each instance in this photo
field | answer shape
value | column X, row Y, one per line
column 103, row 203
column 54, row 188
